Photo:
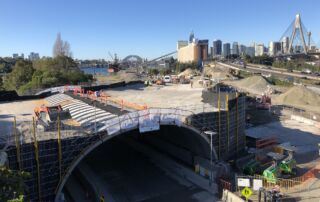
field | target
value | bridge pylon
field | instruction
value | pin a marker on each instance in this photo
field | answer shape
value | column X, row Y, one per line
column 297, row 27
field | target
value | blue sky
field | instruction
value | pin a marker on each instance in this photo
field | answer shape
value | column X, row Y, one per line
column 148, row 28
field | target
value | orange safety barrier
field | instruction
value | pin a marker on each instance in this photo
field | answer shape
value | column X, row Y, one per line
column 225, row 184
column 104, row 98
column 266, row 142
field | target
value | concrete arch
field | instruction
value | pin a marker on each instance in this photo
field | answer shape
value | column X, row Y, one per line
column 108, row 137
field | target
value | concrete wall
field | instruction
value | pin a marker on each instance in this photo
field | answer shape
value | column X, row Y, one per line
column 74, row 149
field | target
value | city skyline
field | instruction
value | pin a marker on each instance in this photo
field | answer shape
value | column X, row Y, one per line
column 94, row 29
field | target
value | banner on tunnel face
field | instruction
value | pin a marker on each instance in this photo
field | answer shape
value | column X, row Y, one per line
column 129, row 121
column 112, row 126
column 168, row 116
column 149, row 120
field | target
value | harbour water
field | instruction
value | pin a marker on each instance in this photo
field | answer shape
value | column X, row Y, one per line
column 95, row 70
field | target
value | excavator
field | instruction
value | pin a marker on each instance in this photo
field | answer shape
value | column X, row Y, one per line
column 284, row 164
column 47, row 116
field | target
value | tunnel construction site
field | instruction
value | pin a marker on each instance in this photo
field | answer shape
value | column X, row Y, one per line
column 183, row 133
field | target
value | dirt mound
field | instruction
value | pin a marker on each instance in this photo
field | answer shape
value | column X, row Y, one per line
column 254, row 84
column 215, row 72
column 129, row 76
column 189, row 72
column 300, row 97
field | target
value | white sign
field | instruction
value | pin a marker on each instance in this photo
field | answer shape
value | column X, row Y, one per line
column 242, row 182
column 129, row 121
column 257, row 184
column 148, row 121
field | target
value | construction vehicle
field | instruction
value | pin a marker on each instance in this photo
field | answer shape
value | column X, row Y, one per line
column 287, row 165
column 252, row 167
column 264, row 102
column 283, row 166
column 47, row 116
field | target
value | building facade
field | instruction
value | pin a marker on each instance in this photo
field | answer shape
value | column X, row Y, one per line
column 34, row 56
column 226, row 49
column 235, row 48
column 259, row 49
column 217, row 48
column 197, row 51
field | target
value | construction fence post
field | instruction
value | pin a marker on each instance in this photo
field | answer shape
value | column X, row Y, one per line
column 228, row 122
column 59, row 147
column 237, row 117
column 36, row 152
column 17, row 140
column 219, row 122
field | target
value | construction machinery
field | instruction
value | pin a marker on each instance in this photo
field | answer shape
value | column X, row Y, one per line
column 264, row 102
column 47, row 116
column 284, row 164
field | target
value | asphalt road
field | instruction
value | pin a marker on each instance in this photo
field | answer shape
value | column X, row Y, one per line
column 272, row 71
column 123, row 174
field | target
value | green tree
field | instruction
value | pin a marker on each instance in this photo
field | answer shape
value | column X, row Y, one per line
column 20, row 75
column 12, row 184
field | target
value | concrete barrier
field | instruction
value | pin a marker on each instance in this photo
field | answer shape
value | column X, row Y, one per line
column 304, row 120
column 228, row 196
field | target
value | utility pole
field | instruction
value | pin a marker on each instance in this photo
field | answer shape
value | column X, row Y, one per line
column 211, row 133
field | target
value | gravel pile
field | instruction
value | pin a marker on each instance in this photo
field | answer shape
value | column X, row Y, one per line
column 254, row 84
column 189, row 72
column 300, row 97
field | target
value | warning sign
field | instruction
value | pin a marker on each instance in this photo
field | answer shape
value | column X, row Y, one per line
column 246, row 192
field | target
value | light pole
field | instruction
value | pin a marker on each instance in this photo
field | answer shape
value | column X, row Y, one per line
column 210, row 133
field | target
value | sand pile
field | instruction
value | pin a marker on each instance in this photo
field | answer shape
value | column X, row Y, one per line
column 216, row 73
column 300, row 97
column 254, row 84
column 129, row 76
column 189, row 72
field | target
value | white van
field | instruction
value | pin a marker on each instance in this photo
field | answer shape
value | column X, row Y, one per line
column 167, row 79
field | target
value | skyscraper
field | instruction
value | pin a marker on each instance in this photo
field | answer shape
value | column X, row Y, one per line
column 259, row 49
column 235, row 48
column 191, row 37
column 226, row 49
column 242, row 49
column 217, row 48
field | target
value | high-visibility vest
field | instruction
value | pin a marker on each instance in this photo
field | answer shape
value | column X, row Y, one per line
column 102, row 198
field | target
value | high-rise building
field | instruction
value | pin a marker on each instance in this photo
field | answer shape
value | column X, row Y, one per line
column 242, row 49
column 191, row 37
column 217, row 48
column 271, row 48
column 34, row 56
column 235, row 48
column 16, row 56
column 250, row 50
column 226, row 49
column 259, row 49
column 181, row 44
column 285, row 45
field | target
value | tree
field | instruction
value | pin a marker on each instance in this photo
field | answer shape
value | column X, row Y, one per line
column 61, row 48
column 20, row 75
column 12, row 184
